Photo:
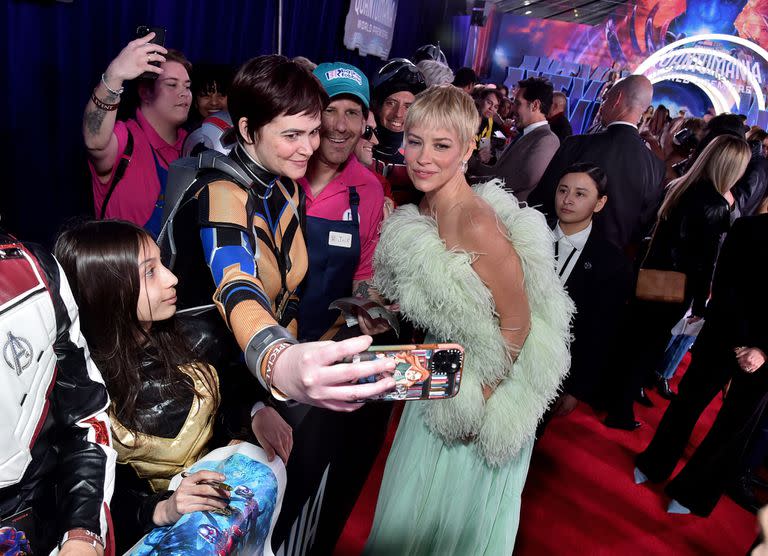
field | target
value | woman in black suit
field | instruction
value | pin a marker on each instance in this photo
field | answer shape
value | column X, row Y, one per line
column 597, row 276
column 691, row 222
column 732, row 345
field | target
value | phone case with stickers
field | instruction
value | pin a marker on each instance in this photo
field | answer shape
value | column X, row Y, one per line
column 422, row 372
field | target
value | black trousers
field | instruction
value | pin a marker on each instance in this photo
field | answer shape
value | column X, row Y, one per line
column 718, row 459
column 709, row 372
column 647, row 327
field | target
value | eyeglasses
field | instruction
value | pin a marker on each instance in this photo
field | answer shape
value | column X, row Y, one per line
column 370, row 132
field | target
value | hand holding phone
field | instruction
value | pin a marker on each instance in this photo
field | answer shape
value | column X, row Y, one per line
column 310, row 373
column 157, row 39
column 139, row 58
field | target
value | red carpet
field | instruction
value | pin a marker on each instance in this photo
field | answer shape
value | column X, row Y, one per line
column 580, row 497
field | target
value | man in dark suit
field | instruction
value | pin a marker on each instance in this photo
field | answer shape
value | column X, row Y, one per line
column 558, row 121
column 732, row 346
column 598, row 278
column 634, row 174
column 523, row 162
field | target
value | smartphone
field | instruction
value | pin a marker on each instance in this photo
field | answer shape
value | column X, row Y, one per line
column 422, row 372
column 159, row 39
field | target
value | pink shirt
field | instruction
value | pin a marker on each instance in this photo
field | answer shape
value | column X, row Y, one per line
column 333, row 204
column 134, row 197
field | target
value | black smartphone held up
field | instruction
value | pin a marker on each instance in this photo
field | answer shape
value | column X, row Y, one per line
column 159, row 39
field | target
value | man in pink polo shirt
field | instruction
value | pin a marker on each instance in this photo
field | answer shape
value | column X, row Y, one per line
column 129, row 160
column 344, row 204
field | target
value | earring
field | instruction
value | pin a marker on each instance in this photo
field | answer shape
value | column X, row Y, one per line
column 463, row 166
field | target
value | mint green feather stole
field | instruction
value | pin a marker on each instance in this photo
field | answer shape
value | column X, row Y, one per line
column 439, row 291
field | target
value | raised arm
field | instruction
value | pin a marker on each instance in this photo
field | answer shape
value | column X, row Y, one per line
column 100, row 114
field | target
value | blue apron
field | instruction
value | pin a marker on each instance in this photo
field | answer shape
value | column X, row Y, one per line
column 155, row 222
column 333, row 247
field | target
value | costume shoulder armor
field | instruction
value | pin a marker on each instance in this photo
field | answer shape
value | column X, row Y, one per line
column 28, row 321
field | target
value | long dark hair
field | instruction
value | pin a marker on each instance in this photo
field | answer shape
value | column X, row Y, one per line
column 100, row 259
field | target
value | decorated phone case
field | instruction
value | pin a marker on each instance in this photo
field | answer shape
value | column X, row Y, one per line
column 422, row 372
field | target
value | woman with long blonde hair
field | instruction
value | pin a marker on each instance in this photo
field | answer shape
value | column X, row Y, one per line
column 722, row 163
column 694, row 216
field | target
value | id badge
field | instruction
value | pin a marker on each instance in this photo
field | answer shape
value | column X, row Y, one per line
column 339, row 239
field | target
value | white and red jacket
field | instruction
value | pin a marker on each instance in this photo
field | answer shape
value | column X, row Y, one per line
column 55, row 446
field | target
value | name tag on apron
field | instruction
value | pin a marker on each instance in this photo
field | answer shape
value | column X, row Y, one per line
column 339, row 239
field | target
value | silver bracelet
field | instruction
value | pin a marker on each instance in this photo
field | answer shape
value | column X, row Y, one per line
column 104, row 82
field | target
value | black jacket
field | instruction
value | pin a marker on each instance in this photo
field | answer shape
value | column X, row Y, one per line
column 599, row 284
column 689, row 239
column 560, row 126
column 736, row 314
column 751, row 189
column 133, row 503
column 60, row 408
column 389, row 148
column 635, row 178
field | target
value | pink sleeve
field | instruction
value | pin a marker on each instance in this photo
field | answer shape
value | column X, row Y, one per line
column 370, row 220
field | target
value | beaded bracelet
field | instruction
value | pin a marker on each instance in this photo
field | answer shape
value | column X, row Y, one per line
column 101, row 105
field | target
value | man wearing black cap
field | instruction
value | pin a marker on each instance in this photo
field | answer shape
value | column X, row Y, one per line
column 394, row 89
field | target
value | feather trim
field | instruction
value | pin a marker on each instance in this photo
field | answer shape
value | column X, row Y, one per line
column 438, row 290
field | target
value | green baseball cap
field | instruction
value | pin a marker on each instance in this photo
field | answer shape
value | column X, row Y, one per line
column 339, row 78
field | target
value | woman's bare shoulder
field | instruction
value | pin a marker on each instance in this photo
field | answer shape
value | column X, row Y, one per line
column 481, row 230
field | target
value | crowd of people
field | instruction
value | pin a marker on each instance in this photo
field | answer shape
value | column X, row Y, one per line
column 192, row 312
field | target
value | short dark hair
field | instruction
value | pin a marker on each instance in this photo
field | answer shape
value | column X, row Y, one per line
column 486, row 92
column 464, row 77
column 480, row 96
column 537, row 88
column 269, row 86
column 595, row 173
column 174, row 55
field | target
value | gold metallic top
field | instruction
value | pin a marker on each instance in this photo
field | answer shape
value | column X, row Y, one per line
column 158, row 459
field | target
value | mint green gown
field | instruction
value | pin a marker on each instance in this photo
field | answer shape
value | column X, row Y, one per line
column 445, row 500
column 441, row 495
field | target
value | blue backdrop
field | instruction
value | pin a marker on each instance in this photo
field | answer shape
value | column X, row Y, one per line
column 54, row 52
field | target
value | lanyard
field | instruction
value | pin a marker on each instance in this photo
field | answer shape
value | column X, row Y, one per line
column 568, row 260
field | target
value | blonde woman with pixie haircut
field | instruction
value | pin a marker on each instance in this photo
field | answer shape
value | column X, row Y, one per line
column 474, row 267
column 694, row 216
